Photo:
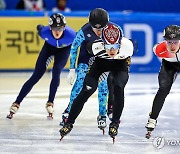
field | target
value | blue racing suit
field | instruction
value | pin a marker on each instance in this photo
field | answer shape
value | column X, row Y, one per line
column 58, row 49
column 84, row 36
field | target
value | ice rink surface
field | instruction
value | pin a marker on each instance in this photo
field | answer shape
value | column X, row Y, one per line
column 29, row 132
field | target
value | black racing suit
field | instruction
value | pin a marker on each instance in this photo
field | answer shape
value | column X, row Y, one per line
column 167, row 75
column 119, row 70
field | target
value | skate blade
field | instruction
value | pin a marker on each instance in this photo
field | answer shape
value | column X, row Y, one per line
column 103, row 131
column 61, row 138
column 61, row 124
column 113, row 138
column 148, row 135
column 50, row 116
column 10, row 116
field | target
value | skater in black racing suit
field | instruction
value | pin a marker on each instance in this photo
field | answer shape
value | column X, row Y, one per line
column 111, row 55
column 168, row 50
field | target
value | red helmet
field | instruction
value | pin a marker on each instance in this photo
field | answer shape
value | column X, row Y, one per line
column 111, row 36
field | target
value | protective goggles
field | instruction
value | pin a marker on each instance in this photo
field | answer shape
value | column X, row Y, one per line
column 98, row 29
column 172, row 42
column 110, row 46
column 58, row 28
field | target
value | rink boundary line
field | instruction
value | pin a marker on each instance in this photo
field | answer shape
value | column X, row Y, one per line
column 68, row 139
column 61, row 94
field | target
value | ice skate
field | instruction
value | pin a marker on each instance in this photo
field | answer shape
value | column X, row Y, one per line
column 50, row 110
column 101, row 120
column 151, row 124
column 113, row 130
column 65, row 115
column 65, row 130
column 13, row 109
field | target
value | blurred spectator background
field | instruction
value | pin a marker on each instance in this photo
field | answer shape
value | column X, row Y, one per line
column 166, row 6
column 31, row 5
column 2, row 5
column 61, row 5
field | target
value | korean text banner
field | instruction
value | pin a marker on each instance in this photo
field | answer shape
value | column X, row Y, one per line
column 19, row 41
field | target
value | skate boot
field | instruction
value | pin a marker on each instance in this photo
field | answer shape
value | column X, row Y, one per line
column 65, row 115
column 50, row 110
column 101, row 121
column 113, row 129
column 65, row 130
column 151, row 124
column 13, row 109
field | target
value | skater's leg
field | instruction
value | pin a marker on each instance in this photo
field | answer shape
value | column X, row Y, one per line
column 165, row 78
column 119, row 82
column 60, row 60
column 111, row 96
column 89, row 87
column 102, row 94
column 77, row 87
column 102, row 98
column 39, row 70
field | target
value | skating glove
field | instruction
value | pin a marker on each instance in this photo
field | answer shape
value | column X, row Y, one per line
column 39, row 27
column 71, row 76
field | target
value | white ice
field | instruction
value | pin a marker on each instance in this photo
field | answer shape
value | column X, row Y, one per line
column 29, row 132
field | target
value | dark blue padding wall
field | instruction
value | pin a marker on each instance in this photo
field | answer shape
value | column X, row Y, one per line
column 168, row 6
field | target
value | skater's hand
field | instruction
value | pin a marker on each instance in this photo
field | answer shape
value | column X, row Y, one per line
column 71, row 76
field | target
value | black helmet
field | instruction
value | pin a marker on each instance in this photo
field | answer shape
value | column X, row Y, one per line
column 172, row 32
column 98, row 18
column 57, row 20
